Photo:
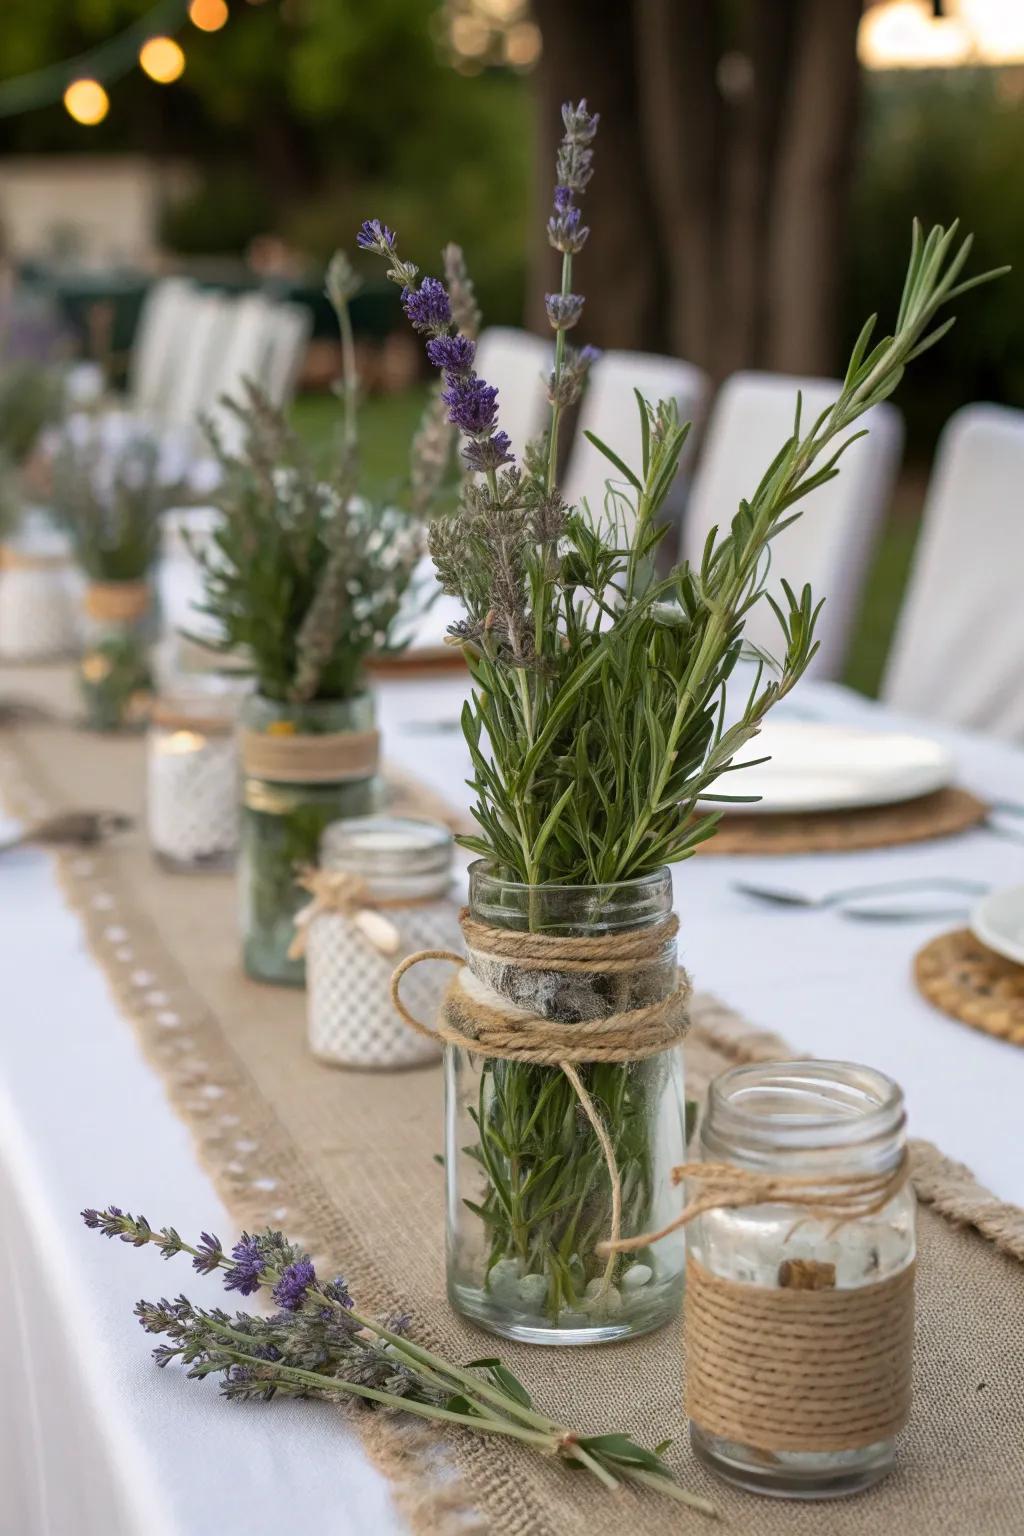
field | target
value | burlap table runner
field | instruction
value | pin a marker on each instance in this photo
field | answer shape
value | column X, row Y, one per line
column 294, row 1143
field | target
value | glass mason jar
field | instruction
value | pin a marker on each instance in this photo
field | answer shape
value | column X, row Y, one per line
column 528, row 1189
column 285, row 808
column 404, row 869
column 799, row 1119
column 192, row 779
column 37, row 612
column 115, row 681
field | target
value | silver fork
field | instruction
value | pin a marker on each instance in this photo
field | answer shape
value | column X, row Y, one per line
column 781, row 897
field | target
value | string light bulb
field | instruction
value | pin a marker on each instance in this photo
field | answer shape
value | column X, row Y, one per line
column 208, row 15
column 87, row 102
column 162, row 60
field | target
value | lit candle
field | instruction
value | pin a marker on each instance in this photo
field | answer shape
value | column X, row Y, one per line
column 193, row 788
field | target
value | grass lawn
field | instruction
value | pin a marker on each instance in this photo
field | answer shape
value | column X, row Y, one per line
column 386, row 425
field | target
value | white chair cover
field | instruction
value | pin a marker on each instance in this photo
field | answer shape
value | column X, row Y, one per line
column 517, row 364
column 161, row 339
column 958, row 655
column 610, row 411
column 290, row 331
column 830, row 546
column 193, row 388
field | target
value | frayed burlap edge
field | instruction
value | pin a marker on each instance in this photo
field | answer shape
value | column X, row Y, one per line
column 213, row 1092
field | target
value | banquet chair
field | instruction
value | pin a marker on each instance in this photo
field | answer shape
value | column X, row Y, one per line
column 244, row 357
column 610, row 411
column 958, row 653
column 290, row 329
column 160, row 342
column 193, row 390
column 831, row 545
column 517, row 364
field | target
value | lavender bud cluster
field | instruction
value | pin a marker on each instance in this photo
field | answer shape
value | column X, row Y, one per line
column 472, row 403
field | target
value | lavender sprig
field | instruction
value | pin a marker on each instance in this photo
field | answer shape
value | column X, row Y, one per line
column 568, row 234
column 472, row 402
column 319, row 1345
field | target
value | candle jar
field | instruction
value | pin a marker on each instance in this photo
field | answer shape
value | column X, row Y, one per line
column 114, row 677
column 529, row 1194
column 816, row 1309
column 401, row 875
column 192, row 779
column 303, row 766
column 37, row 617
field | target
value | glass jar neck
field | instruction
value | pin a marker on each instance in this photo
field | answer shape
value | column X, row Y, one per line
column 813, row 1116
column 396, row 856
column 580, row 911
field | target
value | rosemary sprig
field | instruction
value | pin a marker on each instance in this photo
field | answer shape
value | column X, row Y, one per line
column 320, row 1345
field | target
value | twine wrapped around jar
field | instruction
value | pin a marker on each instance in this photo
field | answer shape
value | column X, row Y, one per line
column 803, row 1366
column 300, row 757
column 477, row 1018
column 117, row 602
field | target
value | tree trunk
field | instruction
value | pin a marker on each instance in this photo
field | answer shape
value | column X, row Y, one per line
column 588, row 51
column 810, row 199
column 677, row 53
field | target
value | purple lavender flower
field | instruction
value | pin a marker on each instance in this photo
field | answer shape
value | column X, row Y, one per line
column 566, row 232
column 488, row 453
column 454, row 354
column 427, row 306
column 337, row 1290
column 563, row 309
column 246, row 1274
column 580, row 125
column 472, row 405
column 563, row 199
column 209, row 1254
column 290, row 1290
column 375, row 236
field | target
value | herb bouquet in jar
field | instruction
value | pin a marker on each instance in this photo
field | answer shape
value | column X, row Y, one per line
column 596, row 724
column 303, row 578
column 108, row 491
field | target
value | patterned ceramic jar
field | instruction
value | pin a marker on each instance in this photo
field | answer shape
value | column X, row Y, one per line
column 396, row 901
column 37, row 612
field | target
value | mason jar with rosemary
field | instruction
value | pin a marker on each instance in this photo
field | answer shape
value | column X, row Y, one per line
column 546, row 1157
column 115, row 681
column 800, row 1273
column 303, row 766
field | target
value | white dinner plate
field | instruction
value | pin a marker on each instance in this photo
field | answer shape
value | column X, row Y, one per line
column 835, row 768
column 998, row 922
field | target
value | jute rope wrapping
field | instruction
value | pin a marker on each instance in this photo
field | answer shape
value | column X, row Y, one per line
column 788, row 1367
column 25, row 560
column 117, row 602
column 798, row 1370
column 306, row 758
column 478, row 1019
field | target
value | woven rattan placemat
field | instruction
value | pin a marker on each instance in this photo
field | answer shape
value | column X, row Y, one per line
column 958, row 974
column 883, row 826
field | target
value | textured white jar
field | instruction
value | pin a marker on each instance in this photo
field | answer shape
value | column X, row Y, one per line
column 405, row 866
column 192, row 781
column 38, row 619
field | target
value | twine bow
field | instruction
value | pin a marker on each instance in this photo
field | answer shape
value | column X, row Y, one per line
column 479, row 1020
column 337, row 890
column 839, row 1198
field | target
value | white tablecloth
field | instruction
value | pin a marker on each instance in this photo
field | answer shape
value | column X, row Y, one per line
column 94, row 1441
